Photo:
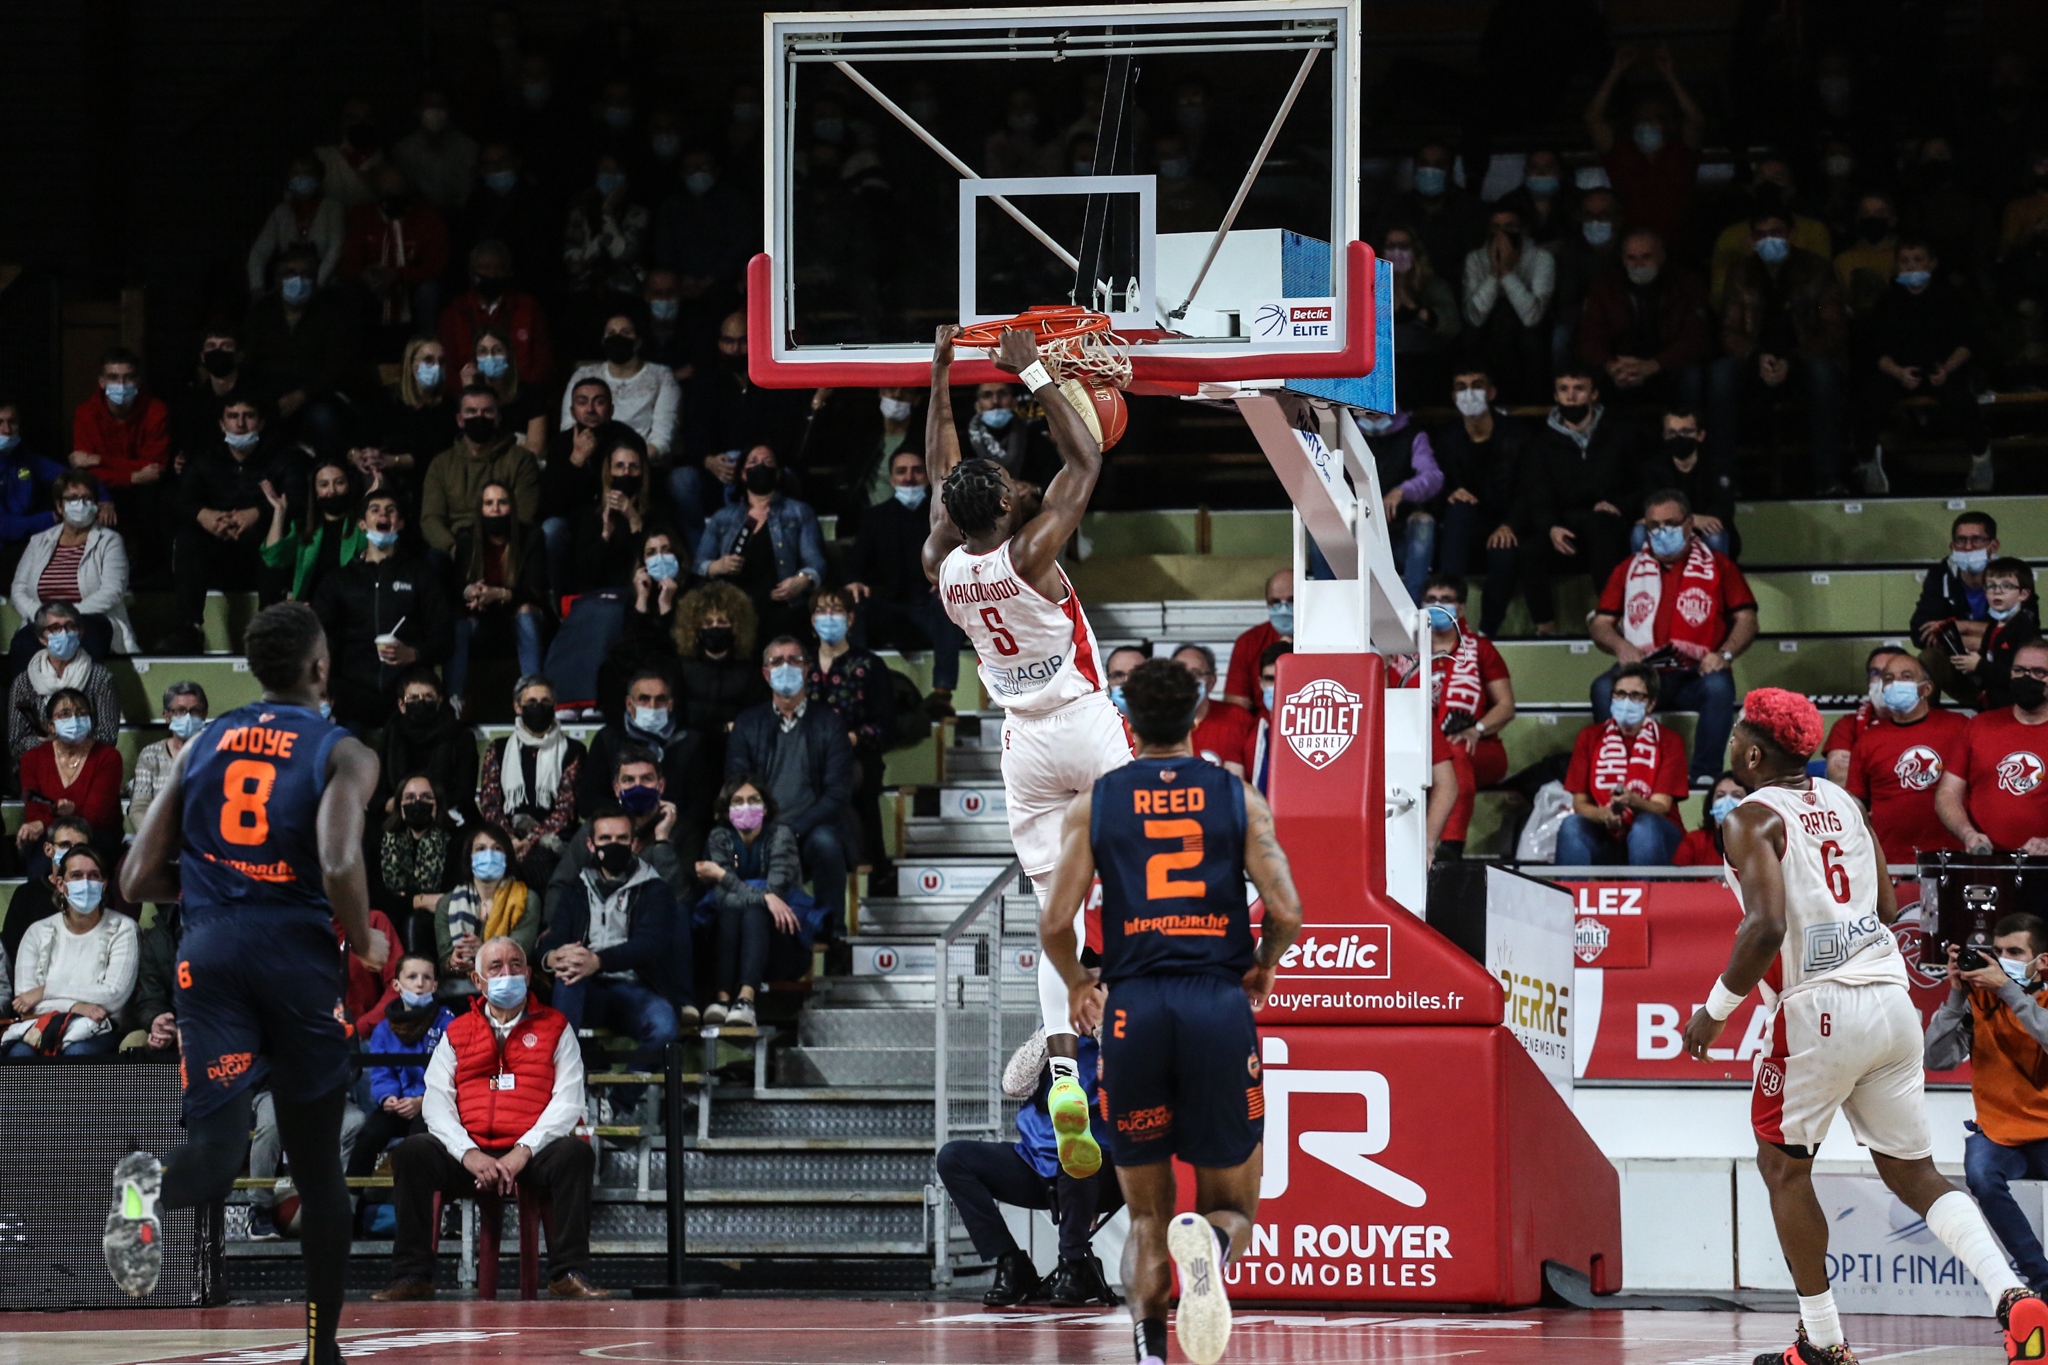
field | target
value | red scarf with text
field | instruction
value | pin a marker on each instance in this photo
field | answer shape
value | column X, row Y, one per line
column 1459, row 687
column 1695, row 618
column 1620, row 764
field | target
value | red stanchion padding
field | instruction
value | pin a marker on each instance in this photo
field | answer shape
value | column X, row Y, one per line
column 1362, row 958
column 1420, row 1164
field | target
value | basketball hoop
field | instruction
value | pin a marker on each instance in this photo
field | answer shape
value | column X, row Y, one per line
column 1074, row 343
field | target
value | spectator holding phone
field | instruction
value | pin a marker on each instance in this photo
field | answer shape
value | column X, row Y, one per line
column 1949, row 619
column 2009, row 602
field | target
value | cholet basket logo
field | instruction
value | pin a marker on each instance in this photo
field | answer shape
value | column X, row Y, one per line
column 1320, row 721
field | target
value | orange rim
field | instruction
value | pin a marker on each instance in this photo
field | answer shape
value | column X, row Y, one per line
column 1048, row 322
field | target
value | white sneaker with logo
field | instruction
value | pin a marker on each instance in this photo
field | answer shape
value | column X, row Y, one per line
column 1202, row 1322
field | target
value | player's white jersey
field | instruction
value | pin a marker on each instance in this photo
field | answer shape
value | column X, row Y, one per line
column 1832, row 932
column 1036, row 655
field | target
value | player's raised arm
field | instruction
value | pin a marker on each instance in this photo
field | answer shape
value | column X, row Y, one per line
column 1265, row 862
column 351, row 779
column 1058, row 937
column 1754, row 837
column 150, row 871
column 941, row 452
column 1034, row 549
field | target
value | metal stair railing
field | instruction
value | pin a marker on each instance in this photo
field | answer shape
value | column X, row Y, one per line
column 988, row 966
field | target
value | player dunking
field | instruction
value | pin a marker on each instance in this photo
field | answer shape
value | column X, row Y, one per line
column 1173, row 838
column 1816, row 903
column 262, row 823
column 994, row 552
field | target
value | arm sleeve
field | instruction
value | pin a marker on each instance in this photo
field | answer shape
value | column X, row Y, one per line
column 565, row 1105
column 99, row 804
column 112, row 587
column 1428, row 479
column 437, row 1106
column 1949, row 1034
column 1529, row 295
column 785, row 862
column 668, row 401
column 23, row 590
column 1482, row 290
column 1578, row 776
column 526, row 489
column 1933, row 604
column 2031, row 1016
column 1857, row 782
column 434, row 512
column 810, row 546
column 329, row 227
column 111, row 991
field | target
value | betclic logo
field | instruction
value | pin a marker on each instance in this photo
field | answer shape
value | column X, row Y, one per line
column 1339, row 952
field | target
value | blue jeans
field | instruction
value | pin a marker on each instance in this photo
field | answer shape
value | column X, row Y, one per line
column 1639, row 536
column 526, row 632
column 1650, row 842
column 1990, row 1168
column 625, row 1007
column 97, row 1045
column 1414, row 547
column 596, row 623
column 824, row 855
column 560, row 536
column 1712, row 695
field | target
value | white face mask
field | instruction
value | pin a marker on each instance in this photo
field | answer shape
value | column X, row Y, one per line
column 1471, row 402
column 80, row 513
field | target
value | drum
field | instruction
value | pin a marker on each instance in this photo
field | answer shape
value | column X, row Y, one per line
column 1969, row 895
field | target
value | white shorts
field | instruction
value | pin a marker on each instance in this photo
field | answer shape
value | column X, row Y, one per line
column 1049, row 760
column 1852, row 1048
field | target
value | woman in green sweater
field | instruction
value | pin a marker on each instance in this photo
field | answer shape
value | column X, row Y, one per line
column 301, row 553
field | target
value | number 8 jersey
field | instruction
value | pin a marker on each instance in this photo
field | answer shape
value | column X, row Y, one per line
column 252, row 789
column 1832, row 932
column 1036, row 655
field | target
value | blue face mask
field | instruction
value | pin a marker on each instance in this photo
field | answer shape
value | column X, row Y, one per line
column 1914, row 279
column 297, row 289
column 610, row 183
column 1280, row 615
column 1116, row 699
column 831, row 627
column 1266, row 696
column 502, row 182
column 429, row 376
column 71, row 729
column 1995, row 614
column 664, row 310
column 786, row 679
column 383, row 540
column 1722, row 805
column 488, row 864
column 493, row 366
column 1649, row 138
column 910, row 495
column 2015, row 968
column 652, row 720
column 995, row 419
column 63, row 644
column 1597, row 231
column 120, row 395
column 10, row 441
column 416, row 1000
column 1666, row 541
column 1430, row 181
column 326, row 709
column 1771, row 250
column 303, row 186
column 1441, row 617
column 506, row 992
column 661, row 568
column 1968, row 561
column 1542, row 186
column 1901, row 697
column 1628, row 712
column 187, row 724
column 84, row 895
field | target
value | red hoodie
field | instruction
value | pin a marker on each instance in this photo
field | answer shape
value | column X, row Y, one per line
column 515, row 314
column 124, row 444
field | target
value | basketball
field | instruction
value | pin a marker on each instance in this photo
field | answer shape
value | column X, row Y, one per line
column 1101, row 407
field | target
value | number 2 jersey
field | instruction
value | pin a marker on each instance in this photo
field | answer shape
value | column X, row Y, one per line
column 1168, row 835
column 252, row 788
column 1830, row 866
column 1036, row 655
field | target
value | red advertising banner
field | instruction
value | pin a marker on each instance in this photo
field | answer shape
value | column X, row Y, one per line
column 1648, row 953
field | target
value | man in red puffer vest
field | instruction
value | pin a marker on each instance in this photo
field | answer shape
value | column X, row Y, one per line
column 504, row 1097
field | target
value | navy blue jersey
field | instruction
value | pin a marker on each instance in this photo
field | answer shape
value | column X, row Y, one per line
column 1168, row 836
column 252, row 790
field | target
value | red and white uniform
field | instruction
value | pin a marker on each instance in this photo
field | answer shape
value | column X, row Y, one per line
column 1844, row 1034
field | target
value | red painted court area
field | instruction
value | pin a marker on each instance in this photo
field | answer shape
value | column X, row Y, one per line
column 846, row 1332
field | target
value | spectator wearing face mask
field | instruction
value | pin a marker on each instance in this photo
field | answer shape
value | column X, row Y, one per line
column 994, row 432
column 1545, row 200
column 1627, row 776
column 122, row 433
column 299, row 553
column 74, row 774
column 612, row 946
column 522, row 409
column 1583, row 257
column 413, row 1023
column 1577, row 480
column 428, row 737
column 648, row 718
column 40, row 896
column 800, row 746
column 704, row 236
column 1702, row 845
column 856, row 684
column 1842, row 736
column 511, row 209
column 644, row 396
column 184, row 712
column 383, row 611
column 411, row 421
column 604, row 243
column 1427, row 319
column 219, row 376
column 1992, row 797
column 492, row 303
column 299, row 341
column 418, row 853
column 1954, row 610
column 1222, row 734
column 79, row 562
column 899, row 607
column 752, row 874
column 1785, row 332
column 1654, row 162
column 1926, row 343
column 1481, row 455
column 490, row 899
column 1507, row 291
column 1898, row 759
column 609, row 530
column 486, row 453
column 1645, row 326
column 62, row 663
column 662, row 836
column 1116, row 671
column 872, row 436
column 573, row 478
column 28, row 481
column 439, row 158
column 2014, row 621
column 396, row 247
column 505, row 597
column 716, row 676
column 304, row 218
column 1268, row 675
column 529, row 781
column 664, row 342
column 1240, row 687
column 76, row 969
column 768, row 546
column 1867, row 266
column 1447, row 220
column 1676, row 463
column 224, row 504
column 1472, row 699
column 1771, row 190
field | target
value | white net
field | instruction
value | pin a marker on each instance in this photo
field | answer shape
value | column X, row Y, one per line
column 1094, row 357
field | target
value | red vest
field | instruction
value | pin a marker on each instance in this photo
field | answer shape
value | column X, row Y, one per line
column 495, row 1114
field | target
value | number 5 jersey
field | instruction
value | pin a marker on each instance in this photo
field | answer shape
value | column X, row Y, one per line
column 1036, row 655
column 252, row 788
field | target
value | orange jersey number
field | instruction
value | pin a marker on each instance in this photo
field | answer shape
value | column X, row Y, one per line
column 245, row 790
column 1160, row 867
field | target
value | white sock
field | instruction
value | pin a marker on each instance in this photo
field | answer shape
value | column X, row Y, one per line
column 1823, row 1324
column 1052, row 992
column 1959, row 1223
column 1064, row 1066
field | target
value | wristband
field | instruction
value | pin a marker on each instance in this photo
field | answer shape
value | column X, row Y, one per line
column 1034, row 376
column 1722, row 1002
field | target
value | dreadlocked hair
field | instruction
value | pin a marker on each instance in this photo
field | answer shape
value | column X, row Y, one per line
column 973, row 495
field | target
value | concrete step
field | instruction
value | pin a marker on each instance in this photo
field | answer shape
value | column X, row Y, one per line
column 931, row 837
column 905, row 1066
column 805, row 1229
column 829, row 1028
column 844, row 1113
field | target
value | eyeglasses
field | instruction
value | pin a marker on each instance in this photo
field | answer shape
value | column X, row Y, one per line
column 1631, row 696
column 2037, row 674
column 1970, row 542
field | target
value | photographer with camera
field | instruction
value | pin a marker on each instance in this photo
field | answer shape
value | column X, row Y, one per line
column 1994, row 1019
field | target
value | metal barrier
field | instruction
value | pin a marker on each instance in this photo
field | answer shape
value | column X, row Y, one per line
column 951, row 992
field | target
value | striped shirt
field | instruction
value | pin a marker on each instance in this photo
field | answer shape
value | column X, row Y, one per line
column 59, row 582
